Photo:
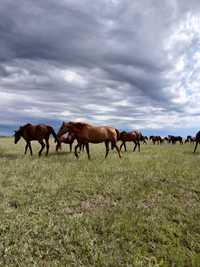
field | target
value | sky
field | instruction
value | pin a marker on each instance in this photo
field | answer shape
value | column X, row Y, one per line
column 129, row 64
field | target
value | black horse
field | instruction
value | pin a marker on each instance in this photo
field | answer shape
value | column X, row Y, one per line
column 173, row 139
column 190, row 139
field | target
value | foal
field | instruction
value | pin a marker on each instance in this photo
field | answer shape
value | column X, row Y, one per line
column 66, row 139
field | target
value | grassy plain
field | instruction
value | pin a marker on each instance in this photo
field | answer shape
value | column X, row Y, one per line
column 141, row 211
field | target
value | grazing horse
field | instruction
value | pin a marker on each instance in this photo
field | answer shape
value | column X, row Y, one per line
column 190, row 139
column 167, row 139
column 173, row 139
column 144, row 139
column 155, row 139
column 197, row 139
column 86, row 133
column 38, row 132
column 134, row 136
column 67, row 138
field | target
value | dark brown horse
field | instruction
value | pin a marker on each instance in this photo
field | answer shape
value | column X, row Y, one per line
column 134, row 136
column 38, row 132
column 197, row 140
column 156, row 139
column 86, row 133
column 67, row 138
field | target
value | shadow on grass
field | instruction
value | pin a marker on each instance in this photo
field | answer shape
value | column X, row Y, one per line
column 62, row 153
column 191, row 153
column 9, row 156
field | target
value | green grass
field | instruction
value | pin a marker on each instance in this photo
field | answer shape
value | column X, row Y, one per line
column 142, row 210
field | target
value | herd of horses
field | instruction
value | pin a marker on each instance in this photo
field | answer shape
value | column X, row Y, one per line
column 85, row 133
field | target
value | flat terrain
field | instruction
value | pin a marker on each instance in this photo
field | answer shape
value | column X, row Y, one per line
column 142, row 210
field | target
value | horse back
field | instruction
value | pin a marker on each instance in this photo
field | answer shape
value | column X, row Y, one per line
column 37, row 132
column 129, row 136
column 96, row 134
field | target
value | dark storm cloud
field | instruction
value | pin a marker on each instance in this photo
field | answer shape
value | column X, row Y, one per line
column 109, row 61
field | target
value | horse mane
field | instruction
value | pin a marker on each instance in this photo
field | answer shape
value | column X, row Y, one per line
column 21, row 128
column 79, row 125
column 123, row 132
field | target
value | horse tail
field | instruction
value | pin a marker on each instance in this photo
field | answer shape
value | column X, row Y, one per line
column 54, row 135
column 118, row 133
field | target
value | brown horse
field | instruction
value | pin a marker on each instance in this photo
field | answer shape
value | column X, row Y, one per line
column 86, row 133
column 38, row 132
column 67, row 138
column 134, row 136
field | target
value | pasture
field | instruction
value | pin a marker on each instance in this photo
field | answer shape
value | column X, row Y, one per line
column 142, row 210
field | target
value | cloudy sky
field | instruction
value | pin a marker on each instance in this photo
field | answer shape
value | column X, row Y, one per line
column 130, row 64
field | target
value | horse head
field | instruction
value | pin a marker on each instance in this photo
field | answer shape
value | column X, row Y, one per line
column 63, row 129
column 17, row 135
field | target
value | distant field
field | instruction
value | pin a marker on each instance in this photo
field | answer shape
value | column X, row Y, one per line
column 142, row 210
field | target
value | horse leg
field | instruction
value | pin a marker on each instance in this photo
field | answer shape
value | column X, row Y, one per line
column 26, row 147
column 30, row 148
column 43, row 145
column 107, row 148
column 58, row 146
column 118, row 150
column 134, row 146
column 70, row 147
column 196, row 146
column 88, row 151
column 125, row 146
column 47, row 146
column 75, row 150
column 139, row 146
column 121, row 146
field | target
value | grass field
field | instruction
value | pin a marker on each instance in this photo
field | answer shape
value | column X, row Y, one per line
column 142, row 210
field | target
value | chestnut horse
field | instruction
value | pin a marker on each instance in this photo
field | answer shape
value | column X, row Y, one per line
column 134, row 136
column 197, row 140
column 38, row 132
column 86, row 133
column 67, row 138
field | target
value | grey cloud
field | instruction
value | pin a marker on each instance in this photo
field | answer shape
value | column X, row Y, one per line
column 117, row 48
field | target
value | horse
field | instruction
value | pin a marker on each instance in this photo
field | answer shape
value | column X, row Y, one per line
column 166, row 139
column 86, row 133
column 197, row 140
column 38, row 132
column 144, row 139
column 155, row 139
column 134, row 136
column 67, row 138
column 190, row 139
column 173, row 139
